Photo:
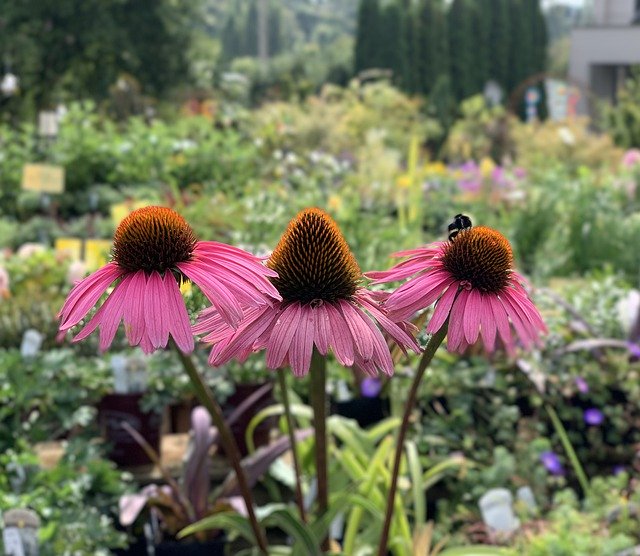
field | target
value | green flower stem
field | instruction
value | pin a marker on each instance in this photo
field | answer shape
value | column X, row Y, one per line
column 427, row 356
column 319, row 402
column 205, row 397
column 292, row 439
column 568, row 448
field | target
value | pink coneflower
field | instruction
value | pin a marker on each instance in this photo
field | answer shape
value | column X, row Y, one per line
column 323, row 305
column 154, row 248
column 473, row 282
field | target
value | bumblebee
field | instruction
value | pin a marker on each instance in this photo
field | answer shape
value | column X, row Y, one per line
column 460, row 222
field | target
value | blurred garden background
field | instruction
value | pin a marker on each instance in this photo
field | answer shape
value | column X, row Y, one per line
column 393, row 116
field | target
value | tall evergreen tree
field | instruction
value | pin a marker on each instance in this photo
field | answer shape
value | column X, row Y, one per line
column 496, row 15
column 521, row 42
column 274, row 30
column 366, row 49
column 390, row 40
column 431, row 43
column 251, row 30
column 408, row 48
column 463, row 48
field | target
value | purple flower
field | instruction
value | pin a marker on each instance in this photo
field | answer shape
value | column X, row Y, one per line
column 370, row 387
column 499, row 176
column 519, row 172
column 552, row 463
column 581, row 384
column 593, row 416
column 617, row 469
column 634, row 350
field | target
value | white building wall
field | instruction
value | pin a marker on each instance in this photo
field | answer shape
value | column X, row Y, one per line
column 613, row 12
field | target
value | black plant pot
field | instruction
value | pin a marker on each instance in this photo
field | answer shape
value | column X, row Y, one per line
column 214, row 547
column 123, row 448
column 366, row 411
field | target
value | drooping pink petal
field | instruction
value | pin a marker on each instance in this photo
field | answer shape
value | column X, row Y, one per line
column 442, row 310
column 502, row 322
column 341, row 341
column 302, row 344
column 360, row 332
column 471, row 321
column 322, row 330
column 157, row 326
column 456, row 321
column 134, row 320
column 242, row 340
column 487, row 323
column 86, row 293
column 282, row 335
column 402, row 337
column 179, row 325
column 217, row 293
column 418, row 293
column 381, row 359
column 517, row 320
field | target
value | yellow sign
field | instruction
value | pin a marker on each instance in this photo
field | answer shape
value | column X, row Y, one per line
column 43, row 178
column 69, row 246
column 96, row 253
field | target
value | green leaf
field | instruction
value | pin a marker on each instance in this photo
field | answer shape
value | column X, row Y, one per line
column 302, row 411
column 279, row 515
column 375, row 434
column 229, row 521
column 417, row 485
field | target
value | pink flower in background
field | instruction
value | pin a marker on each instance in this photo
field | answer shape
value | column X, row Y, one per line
column 631, row 158
column 472, row 281
column 4, row 283
column 323, row 306
column 154, row 248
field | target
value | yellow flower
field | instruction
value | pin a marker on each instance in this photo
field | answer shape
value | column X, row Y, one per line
column 486, row 167
column 404, row 181
column 436, row 168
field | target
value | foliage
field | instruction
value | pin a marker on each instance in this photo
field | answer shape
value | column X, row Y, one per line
column 623, row 119
column 74, row 500
column 70, row 48
column 49, row 396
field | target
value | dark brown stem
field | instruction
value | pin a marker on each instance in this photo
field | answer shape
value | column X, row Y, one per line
column 205, row 397
column 427, row 356
column 319, row 402
column 292, row 439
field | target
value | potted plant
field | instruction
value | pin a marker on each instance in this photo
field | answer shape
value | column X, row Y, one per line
column 168, row 508
column 123, row 406
column 247, row 378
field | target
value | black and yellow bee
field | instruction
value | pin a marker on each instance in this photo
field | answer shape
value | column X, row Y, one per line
column 460, row 222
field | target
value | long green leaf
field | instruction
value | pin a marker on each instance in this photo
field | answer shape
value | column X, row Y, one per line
column 302, row 411
column 279, row 515
column 435, row 473
column 229, row 521
column 568, row 448
column 417, row 485
column 377, row 432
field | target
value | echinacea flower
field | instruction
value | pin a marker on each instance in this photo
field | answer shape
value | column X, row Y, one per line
column 593, row 416
column 552, row 463
column 154, row 248
column 323, row 305
column 472, row 280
